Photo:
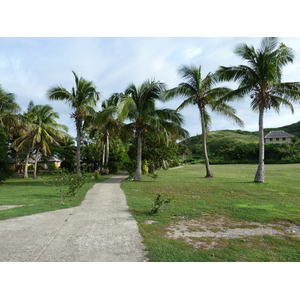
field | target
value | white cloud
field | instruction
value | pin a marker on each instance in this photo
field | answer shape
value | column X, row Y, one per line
column 191, row 53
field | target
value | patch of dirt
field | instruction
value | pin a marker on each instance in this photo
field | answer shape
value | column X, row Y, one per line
column 3, row 207
column 210, row 232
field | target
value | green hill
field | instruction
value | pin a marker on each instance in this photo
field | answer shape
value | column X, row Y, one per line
column 240, row 146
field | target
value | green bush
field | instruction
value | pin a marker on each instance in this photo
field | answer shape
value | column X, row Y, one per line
column 97, row 175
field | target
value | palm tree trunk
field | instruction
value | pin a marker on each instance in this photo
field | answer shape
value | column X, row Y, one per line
column 260, row 173
column 138, row 172
column 78, row 141
column 107, row 149
column 103, row 157
column 26, row 167
column 208, row 171
column 36, row 163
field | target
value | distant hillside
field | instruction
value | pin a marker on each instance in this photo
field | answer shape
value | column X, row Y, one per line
column 217, row 139
column 233, row 137
column 237, row 146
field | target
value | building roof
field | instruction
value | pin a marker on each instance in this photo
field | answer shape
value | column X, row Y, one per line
column 278, row 134
column 53, row 158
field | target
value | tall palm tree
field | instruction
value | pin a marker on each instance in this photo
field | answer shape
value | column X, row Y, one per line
column 82, row 99
column 201, row 92
column 138, row 106
column 41, row 133
column 261, row 79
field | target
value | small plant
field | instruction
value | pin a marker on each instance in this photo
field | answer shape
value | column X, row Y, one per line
column 97, row 175
column 75, row 183
column 68, row 184
column 159, row 202
column 145, row 167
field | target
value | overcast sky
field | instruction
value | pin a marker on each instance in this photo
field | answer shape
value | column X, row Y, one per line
column 29, row 66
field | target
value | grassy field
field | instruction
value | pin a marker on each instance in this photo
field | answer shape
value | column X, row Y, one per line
column 230, row 194
column 37, row 195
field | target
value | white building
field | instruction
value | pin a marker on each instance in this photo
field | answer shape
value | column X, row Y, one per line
column 278, row 137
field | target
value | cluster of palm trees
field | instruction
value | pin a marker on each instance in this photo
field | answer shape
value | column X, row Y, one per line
column 135, row 112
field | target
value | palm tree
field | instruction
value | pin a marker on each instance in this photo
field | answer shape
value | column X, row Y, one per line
column 107, row 122
column 201, row 92
column 82, row 99
column 261, row 79
column 8, row 110
column 138, row 106
column 27, row 119
column 41, row 133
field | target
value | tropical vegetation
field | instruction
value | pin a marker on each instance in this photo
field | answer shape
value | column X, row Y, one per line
column 132, row 130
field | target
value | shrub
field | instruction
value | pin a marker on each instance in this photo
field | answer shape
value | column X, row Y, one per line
column 159, row 202
column 145, row 168
column 97, row 175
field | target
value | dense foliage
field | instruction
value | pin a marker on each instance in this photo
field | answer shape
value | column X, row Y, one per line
column 4, row 167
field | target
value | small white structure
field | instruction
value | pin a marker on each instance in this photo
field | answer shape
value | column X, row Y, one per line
column 278, row 137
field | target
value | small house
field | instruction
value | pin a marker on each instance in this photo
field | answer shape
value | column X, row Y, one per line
column 278, row 137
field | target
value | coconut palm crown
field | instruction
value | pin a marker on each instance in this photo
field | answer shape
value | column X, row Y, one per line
column 202, row 93
column 9, row 109
column 138, row 105
column 82, row 99
column 260, row 78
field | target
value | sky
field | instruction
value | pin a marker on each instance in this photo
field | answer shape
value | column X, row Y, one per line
column 31, row 65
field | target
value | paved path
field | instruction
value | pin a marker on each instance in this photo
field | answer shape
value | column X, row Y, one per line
column 100, row 229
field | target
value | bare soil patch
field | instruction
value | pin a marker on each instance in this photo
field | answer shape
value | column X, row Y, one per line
column 2, row 207
column 210, row 232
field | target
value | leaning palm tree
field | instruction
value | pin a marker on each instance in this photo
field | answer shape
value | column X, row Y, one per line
column 41, row 133
column 201, row 92
column 261, row 79
column 138, row 106
column 82, row 99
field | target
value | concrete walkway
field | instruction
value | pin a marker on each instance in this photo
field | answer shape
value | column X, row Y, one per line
column 100, row 229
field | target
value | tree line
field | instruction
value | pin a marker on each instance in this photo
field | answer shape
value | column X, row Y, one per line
column 131, row 119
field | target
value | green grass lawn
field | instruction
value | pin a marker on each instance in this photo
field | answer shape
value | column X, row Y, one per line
column 231, row 193
column 38, row 195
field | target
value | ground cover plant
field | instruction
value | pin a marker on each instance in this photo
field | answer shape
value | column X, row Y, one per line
column 38, row 195
column 251, row 222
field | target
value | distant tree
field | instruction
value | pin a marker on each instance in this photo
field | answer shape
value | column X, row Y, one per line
column 82, row 99
column 202, row 93
column 261, row 79
column 138, row 106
